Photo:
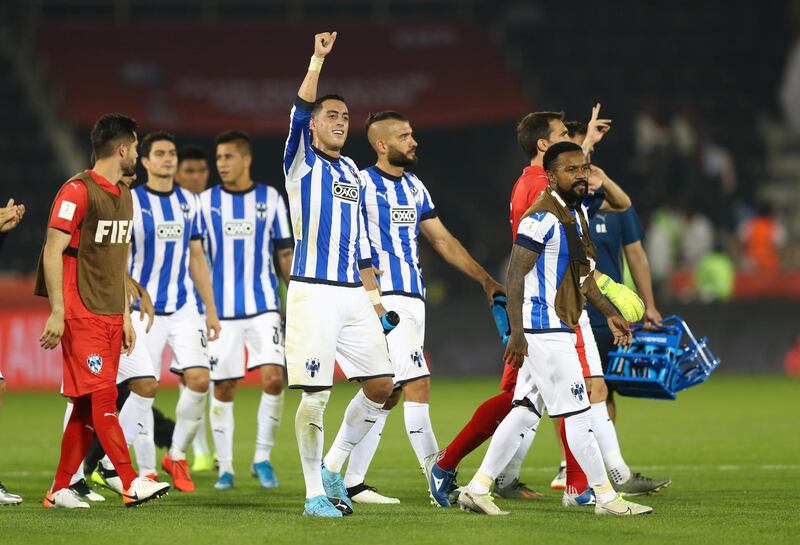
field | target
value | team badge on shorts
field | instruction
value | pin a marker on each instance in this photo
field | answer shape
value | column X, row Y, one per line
column 416, row 357
column 312, row 367
column 578, row 390
column 212, row 362
column 95, row 363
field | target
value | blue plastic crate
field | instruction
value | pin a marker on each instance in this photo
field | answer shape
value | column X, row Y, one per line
column 659, row 364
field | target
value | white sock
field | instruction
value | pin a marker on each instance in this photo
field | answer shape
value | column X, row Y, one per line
column 513, row 468
column 505, row 442
column 606, row 435
column 584, row 447
column 310, row 439
column 200, row 441
column 221, row 419
column 364, row 451
column 188, row 413
column 145, row 447
column 419, row 429
column 360, row 415
column 270, row 410
column 133, row 414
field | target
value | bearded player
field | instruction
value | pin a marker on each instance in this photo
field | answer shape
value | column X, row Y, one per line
column 82, row 272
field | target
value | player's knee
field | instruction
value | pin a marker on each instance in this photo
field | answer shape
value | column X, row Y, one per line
column 393, row 400
column 146, row 387
column 272, row 380
column 378, row 390
column 418, row 391
column 224, row 390
column 599, row 391
column 198, row 382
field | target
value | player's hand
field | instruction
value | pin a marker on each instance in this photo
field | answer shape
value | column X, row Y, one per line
column 377, row 273
column 619, row 328
column 213, row 327
column 492, row 287
column 652, row 319
column 323, row 43
column 516, row 350
column 53, row 330
column 597, row 128
column 597, row 178
column 10, row 215
column 128, row 334
column 146, row 308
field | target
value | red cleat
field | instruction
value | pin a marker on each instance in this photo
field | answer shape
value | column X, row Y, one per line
column 153, row 477
column 179, row 471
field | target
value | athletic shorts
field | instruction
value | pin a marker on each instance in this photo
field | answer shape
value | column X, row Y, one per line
column 587, row 355
column 263, row 337
column 91, row 348
column 138, row 364
column 1, row 376
column 324, row 320
column 554, row 373
column 405, row 341
column 185, row 332
column 587, row 348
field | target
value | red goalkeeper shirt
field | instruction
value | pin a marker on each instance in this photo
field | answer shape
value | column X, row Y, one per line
column 529, row 186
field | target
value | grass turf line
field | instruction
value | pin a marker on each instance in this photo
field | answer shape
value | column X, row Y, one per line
column 731, row 447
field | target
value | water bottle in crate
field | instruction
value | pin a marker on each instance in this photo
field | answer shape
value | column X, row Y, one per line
column 659, row 364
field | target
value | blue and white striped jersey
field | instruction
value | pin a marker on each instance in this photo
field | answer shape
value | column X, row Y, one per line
column 163, row 225
column 324, row 198
column 243, row 229
column 543, row 233
column 393, row 207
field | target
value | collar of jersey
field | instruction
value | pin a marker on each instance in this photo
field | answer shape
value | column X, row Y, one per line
column 160, row 193
column 324, row 155
column 387, row 175
column 237, row 191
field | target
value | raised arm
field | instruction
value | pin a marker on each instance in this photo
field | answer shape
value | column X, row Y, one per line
column 616, row 200
column 447, row 246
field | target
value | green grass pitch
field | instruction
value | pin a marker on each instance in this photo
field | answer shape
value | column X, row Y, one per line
column 731, row 447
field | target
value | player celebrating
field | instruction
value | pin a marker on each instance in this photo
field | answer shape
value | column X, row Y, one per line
column 167, row 249
column 549, row 279
column 327, row 311
column 397, row 207
column 82, row 272
column 246, row 223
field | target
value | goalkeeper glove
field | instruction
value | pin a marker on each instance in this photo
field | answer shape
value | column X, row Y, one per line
column 622, row 297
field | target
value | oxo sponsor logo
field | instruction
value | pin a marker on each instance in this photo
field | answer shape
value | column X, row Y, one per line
column 113, row 231
column 404, row 215
column 346, row 192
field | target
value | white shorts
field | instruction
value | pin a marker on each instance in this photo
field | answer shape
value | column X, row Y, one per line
column 591, row 365
column 263, row 337
column 1, row 376
column 554, row 373
column 324, row 320
column 138, row 364
column 185, row 332
column 405, row 341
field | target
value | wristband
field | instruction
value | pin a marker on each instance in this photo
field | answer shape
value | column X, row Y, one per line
column 316, row 63
column 374, row 297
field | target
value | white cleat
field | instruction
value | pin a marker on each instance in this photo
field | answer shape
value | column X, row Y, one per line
column 84, row 492
column 482, row 504
column 621, row 507
column 143, row 490
column 363, row 493
column 7, row 498
column 63, row 499
column 559, row 482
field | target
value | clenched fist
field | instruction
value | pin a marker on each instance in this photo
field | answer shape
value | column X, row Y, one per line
column 323, row 43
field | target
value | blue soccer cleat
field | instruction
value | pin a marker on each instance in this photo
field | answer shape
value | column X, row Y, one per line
column 320, row 506
column 335, row 490
column 440, row 481
column 265, row 473
column 225, row 481
column 571, row 498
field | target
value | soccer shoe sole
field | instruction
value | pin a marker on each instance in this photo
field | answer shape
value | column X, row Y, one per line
column 373, row 499
column 139, row 502
column 601, row 510
column 467, row 503
column 647, row 492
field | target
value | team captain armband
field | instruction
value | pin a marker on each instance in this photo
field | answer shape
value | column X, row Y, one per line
column 528, row 243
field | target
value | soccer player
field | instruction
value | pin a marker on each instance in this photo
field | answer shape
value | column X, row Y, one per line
column 327, row 310
column 536, row 132
column 192, row 174
column 10, row 216
column 397, row 207
column 82, row 272
column 246, row 223
column 550, row 278
column 167, row 250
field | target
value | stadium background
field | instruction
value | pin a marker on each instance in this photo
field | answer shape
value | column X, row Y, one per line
column 705, row 133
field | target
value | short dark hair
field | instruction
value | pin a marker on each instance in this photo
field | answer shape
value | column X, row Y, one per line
column 153, row 137
column 534, row 127
column 576, row 127
column 550, row 160
column 108, row 131
column 318, row 103
column 383, row 116
column 240, row 138
column 192, row 153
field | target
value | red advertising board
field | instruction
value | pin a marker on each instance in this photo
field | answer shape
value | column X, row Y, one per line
column 204, row 79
